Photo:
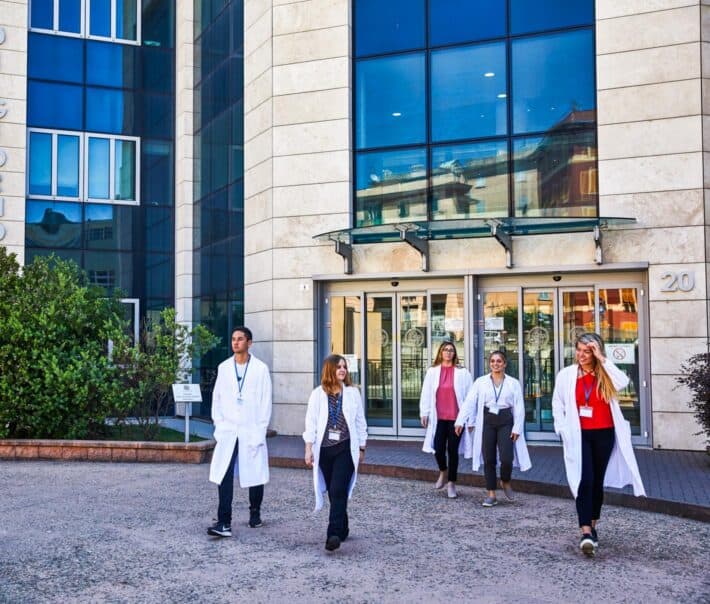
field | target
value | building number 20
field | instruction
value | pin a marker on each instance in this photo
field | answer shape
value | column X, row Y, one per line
column 683, row 281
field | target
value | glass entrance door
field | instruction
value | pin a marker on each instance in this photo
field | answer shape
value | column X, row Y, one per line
column 379, row 363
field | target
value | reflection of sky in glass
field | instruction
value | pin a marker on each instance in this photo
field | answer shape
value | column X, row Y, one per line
column 69, row 15
column 471, row 153
column 452, row 21
column 67, row 166
column 99, row 212
column 106, row 64
column 552, row 75
column 41, row 15
column 98, row 168
column 465, row 84
column 40, row 163
column 106, row 110
column 373, row 168
column 389, row 25
column 126, row 19
column 35, row 211
column 390, row 99
column 100, row 24
column 527, row 16
column 124, row 170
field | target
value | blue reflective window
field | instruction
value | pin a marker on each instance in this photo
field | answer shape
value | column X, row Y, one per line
column 468, row 92
column 527, row 16
column 553, row 79
column 125, row 170
column 42, row 14
column 455, row 21
column 40, row 160
column 54, row 106
column 126, row 20
column 390, row 101
column 158, row 275
column 111, row 111
column 156, row 173
column 67, row 165
column 100, row 18
column 99, row 167
column 391, row 186
column 159, row 229
column 470, row 180
column 110, row 64
column 52, row 57
column 109, row 227
column 157, row 70
column 157, row 116
column 556, row 174
column 389, row 26
column 52, row 225
column 157, row 25
column 69, row 16
column 112, row 270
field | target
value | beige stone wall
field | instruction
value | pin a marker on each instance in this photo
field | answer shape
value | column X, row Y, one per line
column 13, row 112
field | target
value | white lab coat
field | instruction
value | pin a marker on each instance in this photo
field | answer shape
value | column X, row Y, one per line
column 246, row 421
column 471, row 413
column 427, row 402
column 316, row 424
column 622, row 468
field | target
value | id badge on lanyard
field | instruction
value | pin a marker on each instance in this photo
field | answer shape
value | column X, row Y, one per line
column 494, row 408
column 333, row 432
column 586, row 410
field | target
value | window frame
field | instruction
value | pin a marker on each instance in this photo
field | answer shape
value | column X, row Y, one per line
column 85, row 22
column 83, row 175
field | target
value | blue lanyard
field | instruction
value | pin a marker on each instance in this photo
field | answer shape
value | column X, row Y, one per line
column 241, row 380
column 497, row 393
column 333, row 415
column 588, row 393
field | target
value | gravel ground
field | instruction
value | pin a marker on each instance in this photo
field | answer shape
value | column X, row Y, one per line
column 92, row 532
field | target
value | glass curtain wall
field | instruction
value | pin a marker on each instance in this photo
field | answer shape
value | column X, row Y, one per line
column 219, row 177
column 99, row 114
column 473, row 109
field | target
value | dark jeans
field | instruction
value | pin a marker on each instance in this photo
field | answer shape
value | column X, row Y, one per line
column 336, row 463
column 445, row 440
column 496, row 442
column 597, row 446
column 226, row 493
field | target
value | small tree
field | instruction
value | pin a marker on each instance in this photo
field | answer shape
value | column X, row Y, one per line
column 56, row 380
column 696, row 377
column 161, row 358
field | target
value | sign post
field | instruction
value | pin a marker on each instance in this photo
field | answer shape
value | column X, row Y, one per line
column 187, row 394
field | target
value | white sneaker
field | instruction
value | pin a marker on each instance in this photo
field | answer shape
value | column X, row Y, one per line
column 441, row 481
column 451, row 488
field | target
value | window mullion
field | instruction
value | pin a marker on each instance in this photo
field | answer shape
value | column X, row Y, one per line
column 113, row 24
column 112, row 167
column 53, row 178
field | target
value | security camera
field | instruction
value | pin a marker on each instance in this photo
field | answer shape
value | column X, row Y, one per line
column 394, row 283
column 557, row 277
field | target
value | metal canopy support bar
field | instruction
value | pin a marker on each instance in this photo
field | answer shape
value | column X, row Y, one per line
column 598, row 257
column 504, row 239
column 346, row 251
column 419, row 244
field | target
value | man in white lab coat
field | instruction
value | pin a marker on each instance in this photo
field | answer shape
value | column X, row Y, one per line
column 241, row 410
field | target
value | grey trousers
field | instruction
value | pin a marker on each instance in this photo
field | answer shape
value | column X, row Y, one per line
column 496, row 441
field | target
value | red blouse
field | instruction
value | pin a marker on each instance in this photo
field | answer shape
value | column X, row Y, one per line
column 446, row 405
column 601, row 411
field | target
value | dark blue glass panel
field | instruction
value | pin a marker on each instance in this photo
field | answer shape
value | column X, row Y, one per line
column 236, row 42
column 159, row 229
column 42, row 14
column 526, row 16
column 236, row 267
column 126, row 20
column 236, row 79
column 124, row 164
column 67, row 165
column 556, row 174
column 470, row 180
column 52, row 225
column 112, row 270
column 157, row 70
column 391, row 186
column 390, row 101
column 468, row 92
column 53, row 57
column 109, row 227
column 109, row 64
column 100, row 18
column 158, row 23
column 159, row 275
column 98, row 167
column 111, row 111
column 553, row 80
column 69, row 16
column 54, row 106
column 40, row 164
column 388, row 26
column 455, row 21
column 157, row 115
column 156, row 173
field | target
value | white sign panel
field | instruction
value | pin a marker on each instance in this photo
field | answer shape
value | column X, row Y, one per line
column 494, row 324
column 621, row 354
column 187, row 393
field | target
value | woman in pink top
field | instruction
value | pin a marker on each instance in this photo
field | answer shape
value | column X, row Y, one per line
column 445, row 388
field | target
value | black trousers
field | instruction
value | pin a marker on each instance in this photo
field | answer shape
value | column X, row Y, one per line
column 226, row 492
column 445, row 440
column 497, row 442
column 597, row 446
column 337, row 466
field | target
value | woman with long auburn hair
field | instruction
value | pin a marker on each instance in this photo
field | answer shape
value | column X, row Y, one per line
column 444, row 389
column 595, row 436
column 335, row 438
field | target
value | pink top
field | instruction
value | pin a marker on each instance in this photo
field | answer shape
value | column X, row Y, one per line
column 447, row 407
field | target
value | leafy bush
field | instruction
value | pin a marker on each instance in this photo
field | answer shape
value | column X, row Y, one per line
column 56, row 380
column 696, row 377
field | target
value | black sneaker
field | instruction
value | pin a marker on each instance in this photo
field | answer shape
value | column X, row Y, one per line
column 254, row 519
column 220, row 529
column 595, row 537
column 586, row 544
column 332, row 543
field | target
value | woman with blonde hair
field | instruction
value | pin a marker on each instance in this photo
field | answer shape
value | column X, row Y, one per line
column 335, row 437
column 444, row 389
column 595, row 436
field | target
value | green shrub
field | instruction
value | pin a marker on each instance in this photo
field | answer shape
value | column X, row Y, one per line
column 696, row 377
